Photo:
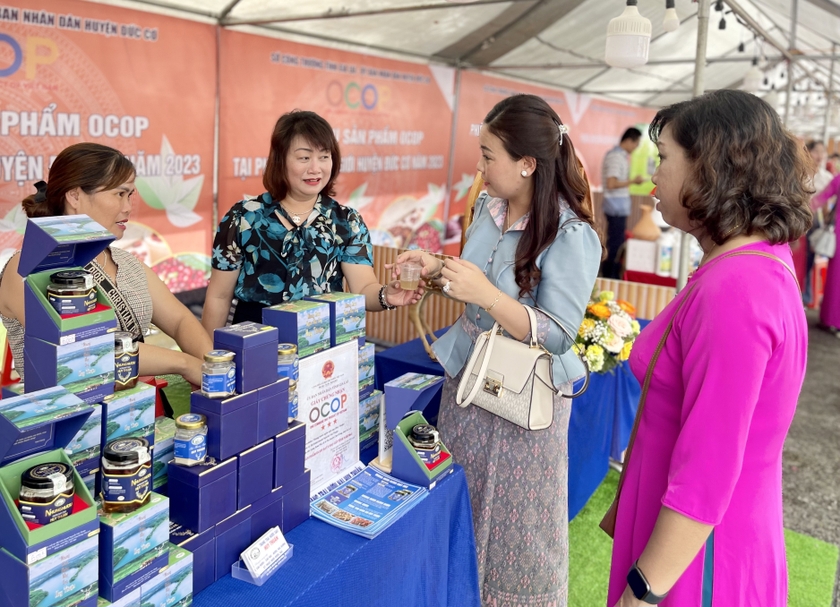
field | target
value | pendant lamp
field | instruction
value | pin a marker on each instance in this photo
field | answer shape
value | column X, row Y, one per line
column 671, row 21
column 628, row 38
column 754, row 78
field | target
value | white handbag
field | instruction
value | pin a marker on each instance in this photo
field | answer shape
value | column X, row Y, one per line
column 512, row 379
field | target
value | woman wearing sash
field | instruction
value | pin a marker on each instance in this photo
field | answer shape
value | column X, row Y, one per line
column 98, row 181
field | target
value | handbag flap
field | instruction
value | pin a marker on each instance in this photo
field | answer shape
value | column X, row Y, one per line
column 511, row 361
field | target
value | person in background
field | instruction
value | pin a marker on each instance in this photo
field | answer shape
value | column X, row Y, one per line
column 616, row 178
column 824, row 202
column 98, row 181
column 699, row 518
column 822, row 177
column 294, row 240
column 833, row 164
column 532, row 242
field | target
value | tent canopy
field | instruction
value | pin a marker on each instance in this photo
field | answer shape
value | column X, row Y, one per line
column 561, row 42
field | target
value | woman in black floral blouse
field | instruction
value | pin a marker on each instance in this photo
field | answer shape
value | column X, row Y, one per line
column 294, row 240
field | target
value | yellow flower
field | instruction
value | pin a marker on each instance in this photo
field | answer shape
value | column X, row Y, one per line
column 599, row 309
column 636, row 326
column 606, row 296
column 595, row 357
column 625, row 351
column 586, row 327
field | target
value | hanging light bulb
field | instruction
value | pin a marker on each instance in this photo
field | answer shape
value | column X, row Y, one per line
column 671, row 21
column 772, row 99
column 754, row 78
column 722, row 24
column 628, row 38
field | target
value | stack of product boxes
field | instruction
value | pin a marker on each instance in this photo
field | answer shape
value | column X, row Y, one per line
column 254, row 476
column 60, row 421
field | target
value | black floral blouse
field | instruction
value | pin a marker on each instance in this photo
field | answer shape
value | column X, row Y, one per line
column 277, row 264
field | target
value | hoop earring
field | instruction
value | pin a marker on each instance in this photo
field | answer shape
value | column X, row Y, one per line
column 524, row 173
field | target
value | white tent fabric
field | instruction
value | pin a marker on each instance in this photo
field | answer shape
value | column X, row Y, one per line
column 561, row 42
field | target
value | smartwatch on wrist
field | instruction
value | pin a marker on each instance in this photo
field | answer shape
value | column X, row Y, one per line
column 641, row 588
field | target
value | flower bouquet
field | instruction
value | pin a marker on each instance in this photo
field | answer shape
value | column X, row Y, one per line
column 607, row 332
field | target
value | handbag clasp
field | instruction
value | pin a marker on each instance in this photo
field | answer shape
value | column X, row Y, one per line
column 492, row 386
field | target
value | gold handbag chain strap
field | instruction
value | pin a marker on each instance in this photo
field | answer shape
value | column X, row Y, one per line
column 658, row 351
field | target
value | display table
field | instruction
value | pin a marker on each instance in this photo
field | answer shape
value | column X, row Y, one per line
column 427, row 558
column 600, row 424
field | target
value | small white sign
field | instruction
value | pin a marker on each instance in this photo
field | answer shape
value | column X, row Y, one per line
column 263, row 554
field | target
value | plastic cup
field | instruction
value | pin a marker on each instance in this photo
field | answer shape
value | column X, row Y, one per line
column 410, row 275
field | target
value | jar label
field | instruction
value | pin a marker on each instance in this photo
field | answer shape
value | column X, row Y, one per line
column 127, row 488
column 194, row 448
column 44, row 514
column 126, row 368
column 219, row 384
column 73, row 304
column 288, row 370
column 293, row 405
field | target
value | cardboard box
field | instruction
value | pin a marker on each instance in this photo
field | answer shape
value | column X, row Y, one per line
column 640, row 255
column 273, row 409
column 408, row 465
column 266, row 513
column 367, row 354
column 163, row 452
column 201, row 496
column 132, row 547
column 61, row 243
column 255, row 349
column 129, row 413
column 256, row 474
column 132, row 599
column 305, row 323
column 296, row 502
column 84, row 450
column 233, row 536
column 85, row 368
column 202, row 546
column 174, row 585
column 232, row 423
column 369, row 415
column 347, row 316
column 289, row 454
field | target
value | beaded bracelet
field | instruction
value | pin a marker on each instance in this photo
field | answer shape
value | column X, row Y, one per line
column 384, row 302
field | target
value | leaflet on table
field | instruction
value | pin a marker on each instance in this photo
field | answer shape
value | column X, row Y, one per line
column 328, row 396
column 368, row 503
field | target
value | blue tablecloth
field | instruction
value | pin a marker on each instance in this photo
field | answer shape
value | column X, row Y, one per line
column 600, row 423
column 427, row 558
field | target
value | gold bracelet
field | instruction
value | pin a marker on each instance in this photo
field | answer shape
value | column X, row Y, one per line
column 495, row 301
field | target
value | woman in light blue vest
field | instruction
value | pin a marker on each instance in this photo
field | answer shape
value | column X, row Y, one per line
column 532, row 242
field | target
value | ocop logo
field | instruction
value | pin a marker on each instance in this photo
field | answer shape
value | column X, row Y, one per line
column 355, row 95
column 34, row 55
column 327, row 408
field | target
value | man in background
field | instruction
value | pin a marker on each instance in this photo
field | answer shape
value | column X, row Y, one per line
column 616, row 178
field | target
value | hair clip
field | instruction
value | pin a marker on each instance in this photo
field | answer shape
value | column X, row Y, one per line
column 564, row 130
column 41, row 195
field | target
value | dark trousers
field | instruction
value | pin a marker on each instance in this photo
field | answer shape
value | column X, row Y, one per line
column 616, row 235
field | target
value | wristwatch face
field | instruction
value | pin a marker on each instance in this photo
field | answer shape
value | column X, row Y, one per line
column 637, row 584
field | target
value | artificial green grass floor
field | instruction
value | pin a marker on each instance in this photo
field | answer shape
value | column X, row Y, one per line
column 812, row 564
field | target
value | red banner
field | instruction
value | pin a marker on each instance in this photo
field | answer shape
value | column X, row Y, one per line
column 143, row 83
column 392, row 120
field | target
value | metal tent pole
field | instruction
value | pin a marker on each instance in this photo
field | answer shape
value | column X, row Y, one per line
column 829, row 98
column 699, row 78
column 794, row 20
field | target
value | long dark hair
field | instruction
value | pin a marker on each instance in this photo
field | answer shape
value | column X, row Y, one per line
column 528, row 126
column 90, row 166
column 316, row 131
column 748, row 174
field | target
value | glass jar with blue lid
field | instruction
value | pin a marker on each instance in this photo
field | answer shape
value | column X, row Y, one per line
column 190, row 439
column 218, row 374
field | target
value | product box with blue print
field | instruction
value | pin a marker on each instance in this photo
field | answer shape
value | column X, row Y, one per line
column 255, row 353
column 347, row 316
column 132, row 599
column 202, row 546
column 84, row 450
column 202, row 496
column 233, row 536
column 38, row 427
column 173, row 587
column 367, row 354
column 50, row 245
column 163, row 453
column 232, row 423
column 129, row 413
column 132, row 547
column 369, row 414
column 305, row 323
